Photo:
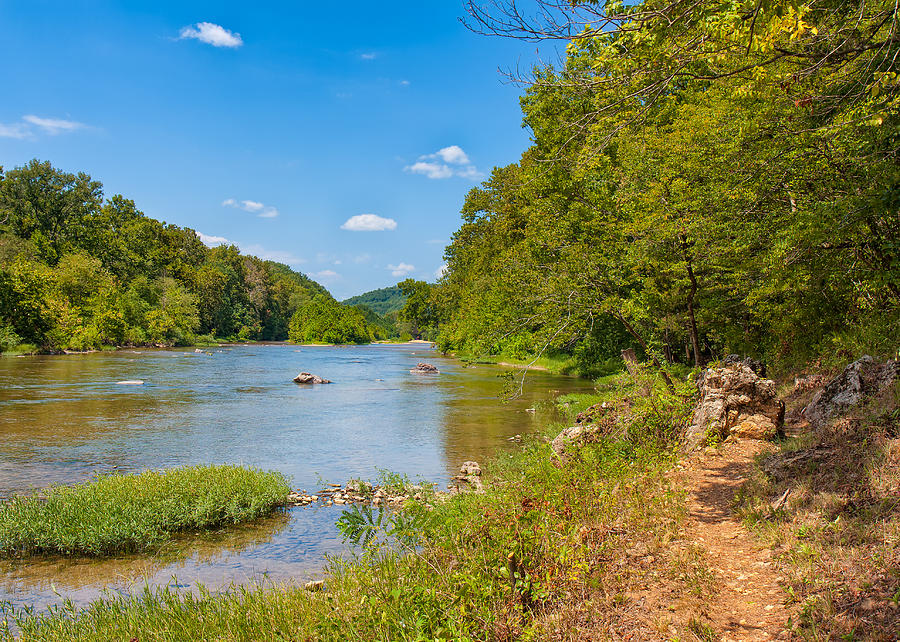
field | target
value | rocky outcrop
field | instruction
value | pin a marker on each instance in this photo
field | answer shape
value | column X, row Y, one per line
column 735, row 400
column 305, row 377
column 425, row 368
column 859, row 381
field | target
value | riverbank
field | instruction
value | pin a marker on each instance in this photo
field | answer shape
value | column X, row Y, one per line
column 30, row 350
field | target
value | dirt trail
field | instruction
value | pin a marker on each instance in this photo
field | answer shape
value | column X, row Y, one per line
column 750, row 602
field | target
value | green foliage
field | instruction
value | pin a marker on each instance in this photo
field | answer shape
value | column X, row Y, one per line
column 78, row 272
column 420, row 309
column 729, row 186
column 324, row 320
column 383, row 301
column 120, row 513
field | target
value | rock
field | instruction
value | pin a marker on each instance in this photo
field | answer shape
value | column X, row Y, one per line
column 305, row 377
column 859, row 381
column 470, row 468
column 468, row 480
column 198, row 351
column 734, row 400
column 316, row 585
column 425, row 368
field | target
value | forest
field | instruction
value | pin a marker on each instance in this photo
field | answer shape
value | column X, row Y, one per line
column 704, row 178
column 79, row 271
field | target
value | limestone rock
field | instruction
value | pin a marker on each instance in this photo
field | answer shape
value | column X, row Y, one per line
column 470, row 468
column 859, row 381
column 468, row 480
column 425, row 368
column 734, row 400
column 305, row 377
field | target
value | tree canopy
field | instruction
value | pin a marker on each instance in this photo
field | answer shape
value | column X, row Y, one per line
column 79, row 271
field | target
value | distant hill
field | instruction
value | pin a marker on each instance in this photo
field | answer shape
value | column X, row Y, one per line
column 382, row 301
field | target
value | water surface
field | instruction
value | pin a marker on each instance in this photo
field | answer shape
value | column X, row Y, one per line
column 65, row 419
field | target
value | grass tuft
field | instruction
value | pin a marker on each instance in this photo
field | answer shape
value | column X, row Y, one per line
column 135, row 513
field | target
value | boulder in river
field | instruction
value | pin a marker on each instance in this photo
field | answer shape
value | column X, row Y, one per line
column 305, row 377
column 862, row 379
column 425, row 368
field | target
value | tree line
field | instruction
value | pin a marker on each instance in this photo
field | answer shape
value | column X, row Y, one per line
column 79, row 271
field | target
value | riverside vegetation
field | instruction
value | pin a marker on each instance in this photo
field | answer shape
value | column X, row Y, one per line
column 135, row 513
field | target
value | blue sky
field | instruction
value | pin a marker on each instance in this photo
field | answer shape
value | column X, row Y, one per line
column 286, row 128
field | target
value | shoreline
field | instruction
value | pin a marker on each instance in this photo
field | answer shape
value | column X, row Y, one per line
column 223, row 344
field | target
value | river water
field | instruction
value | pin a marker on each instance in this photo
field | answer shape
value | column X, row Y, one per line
column 65, row 419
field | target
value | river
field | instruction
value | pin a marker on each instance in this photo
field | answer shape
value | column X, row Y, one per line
column 64, row 419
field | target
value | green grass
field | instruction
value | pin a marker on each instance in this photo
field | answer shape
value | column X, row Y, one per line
column 134, row 513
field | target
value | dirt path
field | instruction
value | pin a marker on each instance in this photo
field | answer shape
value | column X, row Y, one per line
column 749, row 604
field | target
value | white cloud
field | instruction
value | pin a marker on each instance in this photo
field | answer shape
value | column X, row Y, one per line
column 369, row 223
column 431, row 170
column 404, row 83
column 213, row 241
column 441, row 271
column 254, row 207
column 16, row 130
column 369, row 55
column 453, row 154
column 211, row 34
column 52, row 126
column 402, row 269
column 362, row 258
column 29, row 123
column 326, row 274
column 445, row 163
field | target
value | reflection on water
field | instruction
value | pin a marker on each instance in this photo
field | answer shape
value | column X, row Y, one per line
column 64, row 419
